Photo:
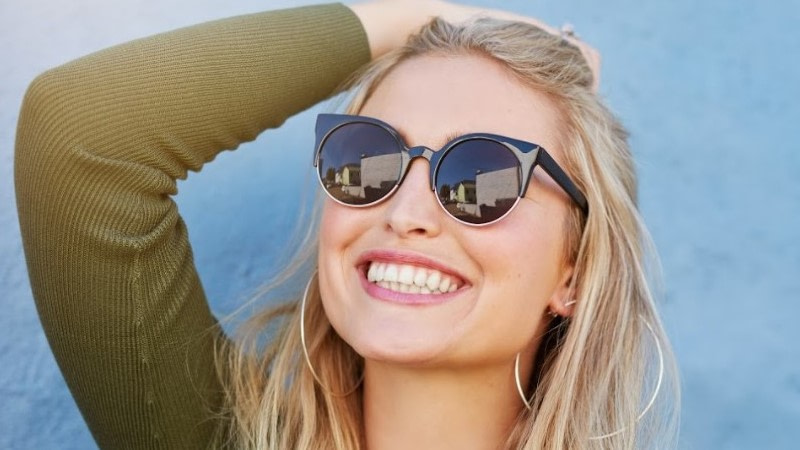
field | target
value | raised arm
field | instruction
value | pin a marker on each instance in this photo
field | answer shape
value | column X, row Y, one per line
column 100, row 144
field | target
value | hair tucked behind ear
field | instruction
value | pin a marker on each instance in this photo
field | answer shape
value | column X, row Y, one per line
column 598, row 373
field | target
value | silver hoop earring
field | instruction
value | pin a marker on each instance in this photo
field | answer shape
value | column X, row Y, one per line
column 649, row 405
column 305, row 348
column 519, row 384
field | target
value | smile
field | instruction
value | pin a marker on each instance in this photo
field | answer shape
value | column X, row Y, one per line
column 411, row 279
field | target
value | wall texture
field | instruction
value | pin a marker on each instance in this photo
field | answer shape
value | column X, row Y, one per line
column 709, row 91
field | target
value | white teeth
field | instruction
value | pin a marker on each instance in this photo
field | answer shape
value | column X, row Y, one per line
column 420, row 277
column 380, row 271
column 391, row 273
column 410, row 279
column 406, row 275
column 444, row 284
column 433, row 280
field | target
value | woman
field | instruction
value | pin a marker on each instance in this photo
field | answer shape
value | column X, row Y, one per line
column 498, row 301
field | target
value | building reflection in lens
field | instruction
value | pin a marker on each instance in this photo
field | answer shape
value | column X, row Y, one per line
column 359, row 164
column 478, row 181
column 484, row 197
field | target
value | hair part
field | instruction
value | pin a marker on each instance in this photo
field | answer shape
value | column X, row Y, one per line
column 595, row 370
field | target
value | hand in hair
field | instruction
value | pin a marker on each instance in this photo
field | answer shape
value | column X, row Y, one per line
column 388, row 24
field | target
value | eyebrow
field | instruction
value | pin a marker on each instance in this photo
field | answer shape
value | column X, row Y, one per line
column 452, row 136
column 449, row 137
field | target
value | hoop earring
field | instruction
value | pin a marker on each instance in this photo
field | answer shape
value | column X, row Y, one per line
column 305, row 348
column 650, row 403
column 519, row 384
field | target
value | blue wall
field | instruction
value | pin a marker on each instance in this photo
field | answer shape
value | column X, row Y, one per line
column 709, row 91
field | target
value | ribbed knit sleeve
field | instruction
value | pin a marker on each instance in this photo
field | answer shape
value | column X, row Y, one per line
column 100, row 144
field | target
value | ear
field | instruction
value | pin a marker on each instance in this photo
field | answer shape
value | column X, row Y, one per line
column 562, row 302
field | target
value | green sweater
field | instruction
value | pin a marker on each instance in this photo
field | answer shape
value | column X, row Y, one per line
column 100, row 144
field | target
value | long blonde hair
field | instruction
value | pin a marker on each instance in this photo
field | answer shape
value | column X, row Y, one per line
column 595, row 371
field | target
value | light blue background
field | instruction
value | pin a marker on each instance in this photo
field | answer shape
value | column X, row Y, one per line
column 709, row 91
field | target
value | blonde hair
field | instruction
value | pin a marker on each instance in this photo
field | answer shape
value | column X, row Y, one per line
column 595, row 371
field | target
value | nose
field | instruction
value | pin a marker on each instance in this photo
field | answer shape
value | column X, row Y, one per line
column 413, row 211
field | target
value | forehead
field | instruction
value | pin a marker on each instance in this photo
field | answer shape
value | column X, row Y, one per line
column 428, row 99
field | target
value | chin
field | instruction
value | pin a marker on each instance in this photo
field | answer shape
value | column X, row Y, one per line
column 394, row 327
column 404, row 346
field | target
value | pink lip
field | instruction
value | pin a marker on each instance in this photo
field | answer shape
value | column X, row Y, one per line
column 396, row 257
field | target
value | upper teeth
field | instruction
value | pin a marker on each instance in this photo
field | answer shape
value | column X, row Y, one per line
column 410, row 279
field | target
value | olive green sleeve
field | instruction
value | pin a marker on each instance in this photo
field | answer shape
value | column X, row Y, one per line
column 100, row 144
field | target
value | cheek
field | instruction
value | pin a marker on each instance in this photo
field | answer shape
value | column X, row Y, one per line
column 333, row 247
column 524, row 250
column 522, row 265
column 327, row 224
column 336, row 228
column 340, row 233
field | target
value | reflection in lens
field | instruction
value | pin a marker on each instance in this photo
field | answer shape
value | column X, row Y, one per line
column 478, row 181
column 359, row 163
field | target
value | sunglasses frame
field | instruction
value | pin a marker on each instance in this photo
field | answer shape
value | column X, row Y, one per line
column 528, row 154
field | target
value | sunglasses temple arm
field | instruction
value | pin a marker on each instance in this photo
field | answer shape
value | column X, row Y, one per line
column 559, row 176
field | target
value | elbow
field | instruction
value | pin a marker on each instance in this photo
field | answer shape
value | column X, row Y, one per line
column 42, row 138
column 44, row 110
column 43, row 96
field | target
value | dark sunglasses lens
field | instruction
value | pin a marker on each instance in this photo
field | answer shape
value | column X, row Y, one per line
column 478, row 181
column 359, row 163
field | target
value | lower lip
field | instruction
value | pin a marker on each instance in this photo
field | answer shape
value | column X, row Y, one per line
column 390, row 296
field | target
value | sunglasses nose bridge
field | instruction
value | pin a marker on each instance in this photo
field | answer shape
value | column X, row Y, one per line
column 421, row 151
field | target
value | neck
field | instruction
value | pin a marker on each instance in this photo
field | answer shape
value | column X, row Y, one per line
column 436, row 408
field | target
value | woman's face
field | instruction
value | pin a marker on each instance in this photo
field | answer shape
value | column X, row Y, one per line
column 506, row 273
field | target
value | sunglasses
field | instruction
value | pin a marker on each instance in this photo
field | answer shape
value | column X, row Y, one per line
column 478, row 178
